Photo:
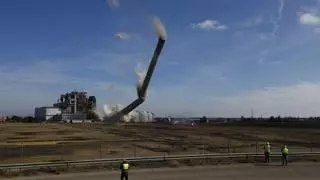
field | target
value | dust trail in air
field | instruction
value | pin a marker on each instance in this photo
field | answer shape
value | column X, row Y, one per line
column 278, row 19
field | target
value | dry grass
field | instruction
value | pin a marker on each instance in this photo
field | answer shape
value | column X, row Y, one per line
column 56, row 142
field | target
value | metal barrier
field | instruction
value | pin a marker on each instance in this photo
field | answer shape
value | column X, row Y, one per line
column 145, row 159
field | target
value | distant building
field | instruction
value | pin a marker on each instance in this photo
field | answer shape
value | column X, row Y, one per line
column 3, row 119
column 46, row 113
column 204, row 120
column 75, row 105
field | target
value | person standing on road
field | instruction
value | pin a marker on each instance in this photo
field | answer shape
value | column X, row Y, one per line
column 267, row 150
column 124, row 167
column 284, row 152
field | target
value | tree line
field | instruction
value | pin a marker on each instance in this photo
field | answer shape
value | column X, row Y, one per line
column 23, row 119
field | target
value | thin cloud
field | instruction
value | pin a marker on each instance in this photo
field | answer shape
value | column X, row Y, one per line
column 250, row 22
column 264, row 52
column 277, row 100
column 261, row 60
column 5, row 87
column 173, row 63
column 269, row 101
column 310, row 15
column 40, row 72
column 114, row 86
column 275, row 62
column 122, row 35
column 309, row 19
column 209, row 25
column 311, row 9
column 113, row 3
column 264, row 36
column 117, row 65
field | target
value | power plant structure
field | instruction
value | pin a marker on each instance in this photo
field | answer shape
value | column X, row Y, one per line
column 73, row 106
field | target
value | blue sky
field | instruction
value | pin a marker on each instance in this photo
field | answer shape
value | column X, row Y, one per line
column 221, row 58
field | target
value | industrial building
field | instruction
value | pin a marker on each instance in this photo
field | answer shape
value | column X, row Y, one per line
column 3, row 119
column 73, row 106
column 47, row 113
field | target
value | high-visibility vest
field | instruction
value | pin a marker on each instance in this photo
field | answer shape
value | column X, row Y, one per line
column 267, row 148
column 125, row 166
column 285, row 150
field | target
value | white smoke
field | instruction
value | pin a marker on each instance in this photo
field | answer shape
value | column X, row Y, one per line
column 160, row 29
column 133, row 116
column 141, row 74
column 100, row 114
column 107, row 110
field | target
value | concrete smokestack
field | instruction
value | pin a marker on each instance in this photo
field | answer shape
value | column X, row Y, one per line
column 142, row 88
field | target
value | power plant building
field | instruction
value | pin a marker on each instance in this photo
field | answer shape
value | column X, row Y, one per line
column 70, row 106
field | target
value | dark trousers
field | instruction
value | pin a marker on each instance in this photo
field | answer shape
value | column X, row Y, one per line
column 124, row 175
column 266, row 157
column 284, row 160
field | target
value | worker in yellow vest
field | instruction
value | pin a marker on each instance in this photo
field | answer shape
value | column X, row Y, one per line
column 267, row 151
column 284, row 152
column 124, row 167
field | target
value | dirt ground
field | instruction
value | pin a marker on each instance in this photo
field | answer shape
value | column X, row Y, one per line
column 55, row 142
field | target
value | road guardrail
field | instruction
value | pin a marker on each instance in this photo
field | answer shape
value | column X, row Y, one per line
column 145, row 159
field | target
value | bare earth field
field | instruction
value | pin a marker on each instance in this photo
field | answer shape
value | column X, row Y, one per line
column 20, row 143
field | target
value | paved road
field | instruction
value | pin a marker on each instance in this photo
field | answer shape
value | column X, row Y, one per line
column 310, row 171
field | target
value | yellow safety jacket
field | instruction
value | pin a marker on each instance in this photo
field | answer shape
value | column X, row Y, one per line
column 125, row 166
column 285, row 151
column 267, row 148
